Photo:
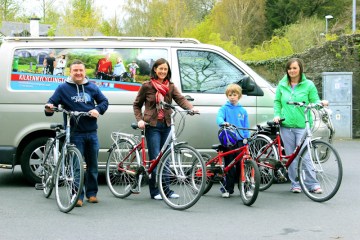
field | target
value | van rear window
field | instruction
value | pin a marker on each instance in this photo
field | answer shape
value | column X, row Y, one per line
column 119, row 69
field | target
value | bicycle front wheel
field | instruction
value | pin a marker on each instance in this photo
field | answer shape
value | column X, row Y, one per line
column 314, row 173
column 69, row 179
column 120, row 164
column 209, row 173
column 48, row 167
column 261, row 150
column 181, row 180
column 249, row 182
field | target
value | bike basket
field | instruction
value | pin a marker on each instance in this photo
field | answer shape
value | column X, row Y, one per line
column 227, row 136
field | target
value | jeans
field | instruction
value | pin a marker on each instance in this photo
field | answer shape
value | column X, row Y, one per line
column 88, row 145
column 155, row 139
column 291, row 138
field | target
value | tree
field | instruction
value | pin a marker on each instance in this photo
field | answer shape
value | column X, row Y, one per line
column 49, row 14
column 111, row 27
column 9, row 9
column 240, row 20
column 81, row 18
column 284, row 12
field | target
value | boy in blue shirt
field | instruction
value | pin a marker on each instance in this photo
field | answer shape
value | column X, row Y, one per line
column 233, row 113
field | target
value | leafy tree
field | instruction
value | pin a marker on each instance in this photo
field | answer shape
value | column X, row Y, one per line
column 111, row 27
column 242, row 21
column 9, row 9
column 137, row 23
column 81, row 18
column 280, row 13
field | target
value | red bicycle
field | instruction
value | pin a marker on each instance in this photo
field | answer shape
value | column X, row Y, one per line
column 318, row 160
column 249, row 179
column 178, row 166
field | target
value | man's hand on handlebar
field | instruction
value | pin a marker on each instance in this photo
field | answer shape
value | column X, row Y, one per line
column 49, row 108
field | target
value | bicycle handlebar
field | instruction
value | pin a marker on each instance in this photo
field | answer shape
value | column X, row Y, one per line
column 168, row 105
column 70, row 113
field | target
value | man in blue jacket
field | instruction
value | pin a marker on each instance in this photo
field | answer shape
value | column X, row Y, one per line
column 78, row 94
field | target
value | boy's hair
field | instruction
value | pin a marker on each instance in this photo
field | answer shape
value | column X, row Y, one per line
column 233, row 88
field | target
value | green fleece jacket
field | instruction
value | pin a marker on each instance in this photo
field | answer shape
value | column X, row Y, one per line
column 304, row 91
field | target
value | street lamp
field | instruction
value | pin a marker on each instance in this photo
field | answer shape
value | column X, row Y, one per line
column 327, row 18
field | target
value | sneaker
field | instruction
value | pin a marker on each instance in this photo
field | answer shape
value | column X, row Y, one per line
column 157, row 197
column 79, row 203
column 225, row 195
column 249, row 194
column 296, row 190
column 174, row 195
column 93, row 199
column 317, row 190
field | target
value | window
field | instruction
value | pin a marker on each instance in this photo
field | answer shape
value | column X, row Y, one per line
column 206, row 72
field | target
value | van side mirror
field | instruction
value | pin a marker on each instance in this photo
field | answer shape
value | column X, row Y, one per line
column 249, row 87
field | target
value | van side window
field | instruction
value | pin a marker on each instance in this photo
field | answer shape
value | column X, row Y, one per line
column 206, row 72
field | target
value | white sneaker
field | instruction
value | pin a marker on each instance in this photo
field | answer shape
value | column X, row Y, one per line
column 225, row 195
column 158, row 197
column 174, row 195
column 249, row 194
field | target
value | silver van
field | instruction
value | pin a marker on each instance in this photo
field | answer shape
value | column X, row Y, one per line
column 200, row 71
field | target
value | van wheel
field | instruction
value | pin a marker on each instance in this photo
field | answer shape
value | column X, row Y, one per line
column 31, row 159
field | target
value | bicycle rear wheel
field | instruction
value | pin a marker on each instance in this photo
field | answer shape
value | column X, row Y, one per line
column 69, row 179
column 317, row 173
column 48, row 167
column 249, row 182
column 119, row 167
column 261, row 150
column 209, row 173
column 183, row 175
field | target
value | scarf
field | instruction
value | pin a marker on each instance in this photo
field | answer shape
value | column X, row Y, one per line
column 161, row 90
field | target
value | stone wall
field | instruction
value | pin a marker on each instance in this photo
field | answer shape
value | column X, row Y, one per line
column 342, row 55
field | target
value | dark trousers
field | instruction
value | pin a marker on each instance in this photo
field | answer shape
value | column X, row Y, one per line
column 233, row 174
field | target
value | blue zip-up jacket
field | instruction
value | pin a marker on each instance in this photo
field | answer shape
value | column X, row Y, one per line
column 235, row 115
column 84, row 97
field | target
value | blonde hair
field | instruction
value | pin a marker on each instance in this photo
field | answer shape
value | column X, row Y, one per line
column 233, row 88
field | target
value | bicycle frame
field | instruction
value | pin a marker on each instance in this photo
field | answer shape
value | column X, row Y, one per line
column 305, row 140
column 243, row 154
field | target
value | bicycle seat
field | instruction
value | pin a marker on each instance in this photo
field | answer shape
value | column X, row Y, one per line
column 56, row 125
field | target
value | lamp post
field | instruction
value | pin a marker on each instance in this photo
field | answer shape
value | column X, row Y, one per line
column 327, row 18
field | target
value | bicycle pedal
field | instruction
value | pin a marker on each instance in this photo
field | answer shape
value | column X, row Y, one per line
column 39, row 186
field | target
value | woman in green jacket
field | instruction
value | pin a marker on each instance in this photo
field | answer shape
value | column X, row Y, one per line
column 295, row 87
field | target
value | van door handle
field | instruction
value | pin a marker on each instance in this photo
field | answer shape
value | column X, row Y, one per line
column 189, row 98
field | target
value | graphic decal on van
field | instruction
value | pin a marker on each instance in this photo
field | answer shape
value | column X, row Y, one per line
column 112, row 69
column 28, row 81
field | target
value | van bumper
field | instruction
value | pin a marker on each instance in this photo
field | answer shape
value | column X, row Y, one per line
column 7, row 156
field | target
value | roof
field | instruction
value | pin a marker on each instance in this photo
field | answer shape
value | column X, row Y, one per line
column 16, row 29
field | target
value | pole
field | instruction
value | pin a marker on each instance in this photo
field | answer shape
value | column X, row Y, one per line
column 354, row 17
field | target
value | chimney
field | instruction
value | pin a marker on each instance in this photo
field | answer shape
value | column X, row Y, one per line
column 34, row 27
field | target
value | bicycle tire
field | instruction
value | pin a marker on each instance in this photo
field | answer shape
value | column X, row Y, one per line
column 185, row 176
column 258, row 152
column 249, row 188
column 328, row 173
column 69, row 179
column 48, row 168
column 120, row 181
column 209, row 173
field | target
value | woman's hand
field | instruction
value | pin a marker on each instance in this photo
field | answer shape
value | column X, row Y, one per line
column 276, row 119
column 325, row 103
column 141, row 124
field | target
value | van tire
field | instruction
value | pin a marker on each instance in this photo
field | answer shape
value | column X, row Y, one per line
column 34, row 151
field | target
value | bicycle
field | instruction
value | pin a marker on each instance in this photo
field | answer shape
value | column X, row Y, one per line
column 249, row 180
column 62, row 165
column 319, row 156
column 179, row 166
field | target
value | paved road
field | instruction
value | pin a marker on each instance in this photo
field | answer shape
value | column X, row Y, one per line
column 277, row 213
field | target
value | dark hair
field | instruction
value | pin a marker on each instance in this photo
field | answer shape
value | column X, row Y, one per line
column 156, row 64
column 77, row 62
column 291, row 61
